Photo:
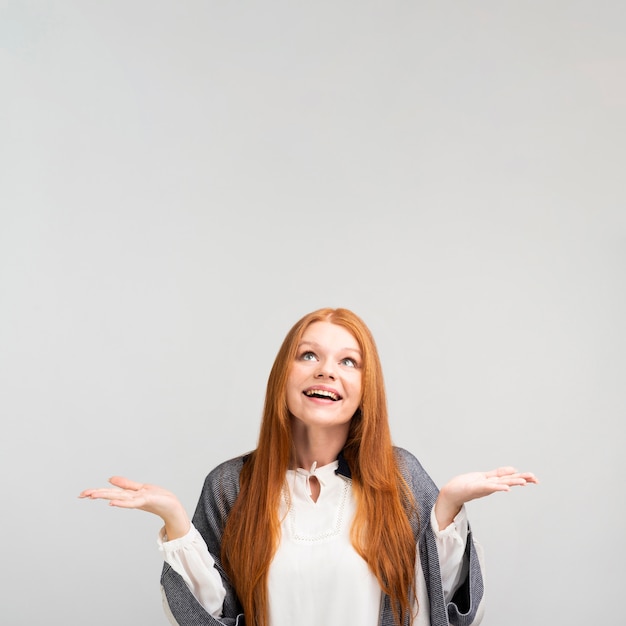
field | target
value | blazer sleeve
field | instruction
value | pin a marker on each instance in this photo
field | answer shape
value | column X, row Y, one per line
column 219, row 492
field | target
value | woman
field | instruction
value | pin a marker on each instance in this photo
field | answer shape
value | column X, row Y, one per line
column 325, row 522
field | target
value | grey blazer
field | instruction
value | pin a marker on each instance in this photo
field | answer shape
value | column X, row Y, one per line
column 219, row 493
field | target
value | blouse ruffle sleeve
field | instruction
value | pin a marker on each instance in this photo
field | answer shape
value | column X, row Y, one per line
column 451, row 548
column 190, row 557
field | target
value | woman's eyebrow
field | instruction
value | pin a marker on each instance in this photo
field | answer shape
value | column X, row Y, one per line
column 315, row 345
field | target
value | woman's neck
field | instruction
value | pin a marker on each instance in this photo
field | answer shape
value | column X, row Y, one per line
column 321, row 445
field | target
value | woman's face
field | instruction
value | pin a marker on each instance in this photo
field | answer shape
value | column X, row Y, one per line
column 324, row 383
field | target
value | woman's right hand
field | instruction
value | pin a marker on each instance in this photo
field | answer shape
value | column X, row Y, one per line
column 128, row 494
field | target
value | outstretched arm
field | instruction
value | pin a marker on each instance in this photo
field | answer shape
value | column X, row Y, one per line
column 128, row 494
column 466, row 487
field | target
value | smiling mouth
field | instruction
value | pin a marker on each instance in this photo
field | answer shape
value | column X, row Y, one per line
column 323, row 394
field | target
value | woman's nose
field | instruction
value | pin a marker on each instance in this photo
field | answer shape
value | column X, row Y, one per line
column 325, row 371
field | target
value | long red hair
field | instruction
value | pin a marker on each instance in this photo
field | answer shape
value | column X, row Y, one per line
column 381, row 532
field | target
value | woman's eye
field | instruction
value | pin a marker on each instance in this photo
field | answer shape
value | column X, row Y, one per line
column 308, row 356
column 348, row 361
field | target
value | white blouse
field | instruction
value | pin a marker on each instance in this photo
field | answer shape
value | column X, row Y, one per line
column 316, row 576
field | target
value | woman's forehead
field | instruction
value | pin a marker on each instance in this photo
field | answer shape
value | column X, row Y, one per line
column 324, row 333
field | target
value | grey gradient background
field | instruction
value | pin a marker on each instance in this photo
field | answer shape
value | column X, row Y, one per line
column 181, row 181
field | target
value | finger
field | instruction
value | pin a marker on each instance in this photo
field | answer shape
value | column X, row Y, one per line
column 501, row 471
column 92, row 493
column 530, row 477
column 132, row 503
column 501, row 487
column 512, row 481
column 106, row 493
column 125, row 483
column 518, row 478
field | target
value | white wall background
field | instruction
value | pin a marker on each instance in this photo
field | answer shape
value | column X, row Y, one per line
column 181, row 181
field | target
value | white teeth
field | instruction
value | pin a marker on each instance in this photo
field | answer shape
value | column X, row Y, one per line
column 322, row 392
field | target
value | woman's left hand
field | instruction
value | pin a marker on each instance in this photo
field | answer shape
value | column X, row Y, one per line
column 466, row 487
